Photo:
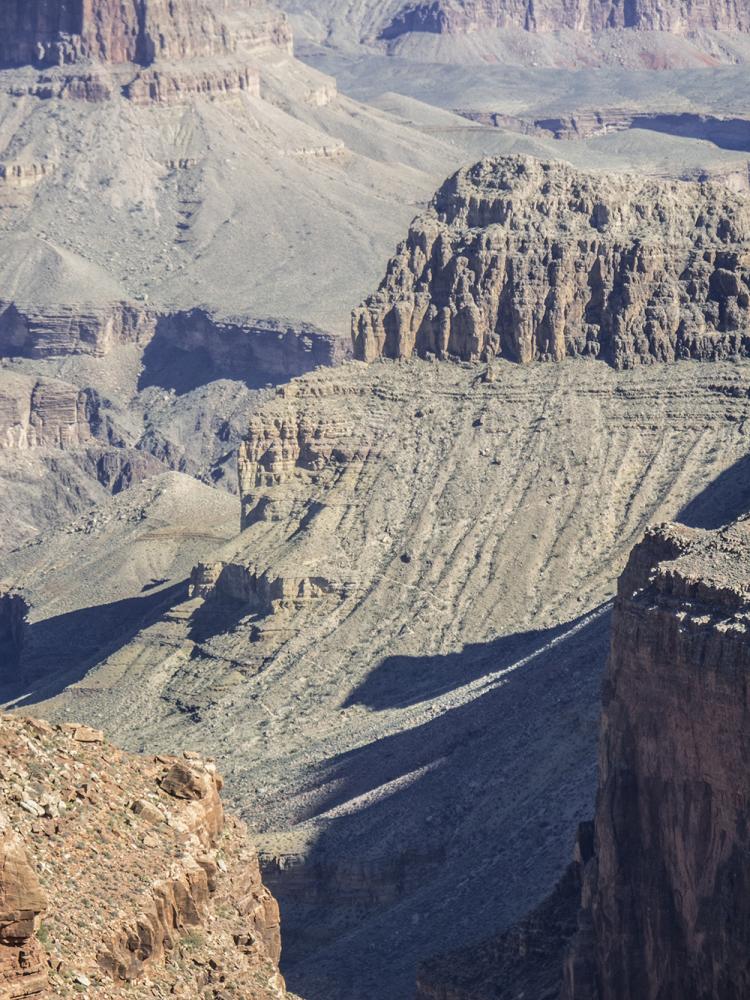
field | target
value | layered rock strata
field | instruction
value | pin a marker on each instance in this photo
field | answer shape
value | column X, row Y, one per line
column 536, row 261
column 678, row 16
column 140, row 878
column 241, row 346
column 40, row 33
column 661, row 909
column 89, row 48
column 665, row 908
column 23, row 965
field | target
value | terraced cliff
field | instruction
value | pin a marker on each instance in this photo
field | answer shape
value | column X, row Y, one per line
column 679, row 16
column 121, row 872
column 672, row 808
column 537, row 261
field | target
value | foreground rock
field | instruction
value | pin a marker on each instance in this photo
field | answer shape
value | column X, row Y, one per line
column 537, row 261
column 661, row 905
column 123, row 872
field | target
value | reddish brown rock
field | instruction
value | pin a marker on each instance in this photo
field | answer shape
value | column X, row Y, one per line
column 23, row 966
column 679, row 16
column 43, row 33
column 666, row 898
column 147, row 883
column 661, row 882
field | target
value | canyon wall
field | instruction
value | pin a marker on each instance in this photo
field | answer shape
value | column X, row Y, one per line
column 679, row 16
column 42, row 33
column 665, row 909
column 655, row 904
column 120, row 872
column 537, row 261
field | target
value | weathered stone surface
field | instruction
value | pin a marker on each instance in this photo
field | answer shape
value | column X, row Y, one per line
column 679, row 16
column 535, row 261
column 41, row 33
column 147, row 882
column 662, row 875
column 665, row 909
column 23, row 967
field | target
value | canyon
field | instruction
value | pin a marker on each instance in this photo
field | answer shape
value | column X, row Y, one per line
column 420, row 591
column 363, row 561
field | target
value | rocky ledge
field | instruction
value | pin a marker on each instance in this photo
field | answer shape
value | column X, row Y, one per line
column 661, row 909
column 453, row 16
column 531, row 260
column 123, row 871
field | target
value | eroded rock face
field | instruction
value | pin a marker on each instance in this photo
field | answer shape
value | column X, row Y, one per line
column 23, row 966
column 660, row 879
column 147, row 882
column 41, row 33
column 447, row 16
column 537, row 261
column 665, row 908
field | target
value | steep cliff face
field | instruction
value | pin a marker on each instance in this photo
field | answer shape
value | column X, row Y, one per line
column 536, row 261
column 23, row 965
column 662, row 876
column 123, row 872
column 41, row 33
column 665, row 899
column 680, row 16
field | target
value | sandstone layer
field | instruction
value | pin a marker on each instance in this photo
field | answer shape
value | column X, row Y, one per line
column 123, row 872
column 536, row 261
column 679, row 16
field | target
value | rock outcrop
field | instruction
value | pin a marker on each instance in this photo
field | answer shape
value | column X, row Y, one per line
column 41, row 33
column 663, row 873
column 665, row 908
column 138, row 875
column 536, row 261
column 23, row 965
column 679, row 16
column 89, row 49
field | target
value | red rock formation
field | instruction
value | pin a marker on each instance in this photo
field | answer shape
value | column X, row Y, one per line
column 43, row 33
column 147, row 881
column 23, row 966
column 666, row 898
column 664, row 881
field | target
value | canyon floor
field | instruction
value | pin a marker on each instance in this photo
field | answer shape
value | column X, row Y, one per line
column 414, row 741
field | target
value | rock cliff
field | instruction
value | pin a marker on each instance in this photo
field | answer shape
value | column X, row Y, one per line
column 679, row 16
column 663, row 873
column 535, row 261
column 41, row 33
column 665, row 897
column 118, row 870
